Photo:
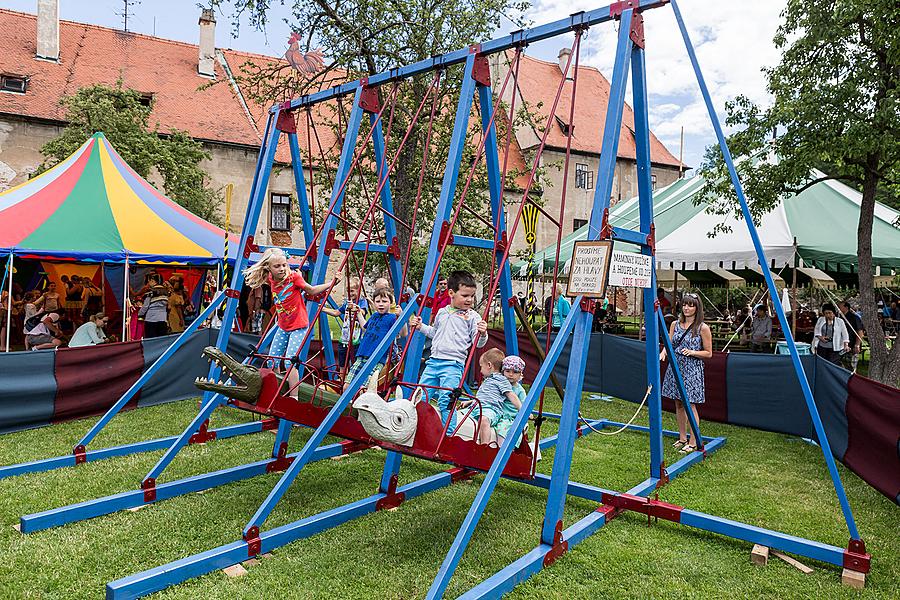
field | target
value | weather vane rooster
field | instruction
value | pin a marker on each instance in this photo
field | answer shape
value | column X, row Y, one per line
column 306, row 64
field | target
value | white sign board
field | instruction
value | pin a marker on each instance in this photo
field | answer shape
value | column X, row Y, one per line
column 627, row 269
column 588, row 271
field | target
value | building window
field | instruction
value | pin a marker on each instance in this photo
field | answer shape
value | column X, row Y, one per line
column 13, row 83
column 578, row 224
column 653, row 182
column 563, row 125
column 280, row 219
column 146, row 99
column 584, row 177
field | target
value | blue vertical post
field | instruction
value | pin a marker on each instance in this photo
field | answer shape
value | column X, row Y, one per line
column 390, row 227
column 444, row 209
column 320, row 266
column 770, row 284
column 645, row 202
column 495, row 184
column 308, row 233
column 562, row 460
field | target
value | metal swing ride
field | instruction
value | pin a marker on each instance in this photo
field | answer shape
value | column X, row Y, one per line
column 512, row 459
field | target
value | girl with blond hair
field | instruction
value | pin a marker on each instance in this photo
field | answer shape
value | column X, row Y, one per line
column 288, row 287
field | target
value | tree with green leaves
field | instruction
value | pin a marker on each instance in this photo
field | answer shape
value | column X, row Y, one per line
column 835, row 108
column 124, row 120
column 364, row 37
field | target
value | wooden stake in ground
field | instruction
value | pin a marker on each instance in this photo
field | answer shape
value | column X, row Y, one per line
column 759, row 555
column 853, row 579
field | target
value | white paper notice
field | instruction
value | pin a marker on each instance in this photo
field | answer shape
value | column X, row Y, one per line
column 627, row 269
column 590, row 262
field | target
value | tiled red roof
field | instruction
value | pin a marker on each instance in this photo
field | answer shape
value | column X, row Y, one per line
column 538, row 82
column 91, row 54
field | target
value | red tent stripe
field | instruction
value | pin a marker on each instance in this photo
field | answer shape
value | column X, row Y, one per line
column 27, row 216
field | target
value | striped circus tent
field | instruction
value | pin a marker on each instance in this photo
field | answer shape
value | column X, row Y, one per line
column 93, row 207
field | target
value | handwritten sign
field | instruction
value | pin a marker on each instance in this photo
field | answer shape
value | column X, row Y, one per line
column 589, row 267
column 627, row 269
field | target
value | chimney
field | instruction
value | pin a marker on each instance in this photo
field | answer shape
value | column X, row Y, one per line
column 564, row 55
column 48, row 29
column 207, row 63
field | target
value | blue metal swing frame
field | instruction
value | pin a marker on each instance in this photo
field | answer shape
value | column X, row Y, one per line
column 556, row 539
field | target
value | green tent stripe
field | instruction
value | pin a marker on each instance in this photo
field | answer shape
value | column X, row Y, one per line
column 84, row 221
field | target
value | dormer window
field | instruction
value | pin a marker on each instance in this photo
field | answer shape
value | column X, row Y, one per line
column 146, row 99
column 562, row 125
column 13, row 83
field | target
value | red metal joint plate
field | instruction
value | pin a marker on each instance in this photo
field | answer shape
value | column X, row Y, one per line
column 856, row 558
column 286, row 122
column 394, row 248
column 501, row 244
column 446, row 236
column 588, row 305
column 203, row 435
column 351, row 446
column 664, row 510
column 391, row 499
column 617, row 8
column 560, row 546
column 651, row 239
column 513, row 300
column 269, row 424
column 254, row 544
column 637, row 30
column 250, row 247
column 230, row 293
column 149, row 487
column 368, row 98
column 481, row 70
column 331, row 243
column 426, row 300
column 80, row 454
column 461, row 474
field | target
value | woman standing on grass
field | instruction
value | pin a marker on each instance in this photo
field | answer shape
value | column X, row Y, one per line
column 692, row 344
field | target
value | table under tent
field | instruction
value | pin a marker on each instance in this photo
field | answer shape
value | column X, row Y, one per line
column 92, row 216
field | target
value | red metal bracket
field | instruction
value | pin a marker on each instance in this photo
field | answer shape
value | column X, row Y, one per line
column 394, row 248
column 611, row 512
column 250, row 247
column 269, row 424
column 149, row 487
column 513, row 300
column 281, row 461
column 637, row 30
column 856, row 558
column 230, row 293
column 404, row 298
column 426, row 300
column 588, row 305
column 331, row 243
column 606, row 231
column 392, row 498
column 350, row 446
column 481, row 70
column 80, row 454
column 651, row 239
column 286, row 122
column 560, row 546
column 368, row 98
column 446, row 235
column 254, row 544
column 203, row 434
column 646, row 506
column 501, row 244
column 663, row 476
column 313, row 252
column 458, row 474
column 617, row 8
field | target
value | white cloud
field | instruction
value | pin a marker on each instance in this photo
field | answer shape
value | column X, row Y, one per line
column 732, row 40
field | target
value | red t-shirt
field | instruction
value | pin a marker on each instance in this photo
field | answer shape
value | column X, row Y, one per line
column 441, row 299
column 288, row 300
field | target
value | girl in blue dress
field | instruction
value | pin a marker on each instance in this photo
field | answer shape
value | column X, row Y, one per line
column 692, row 344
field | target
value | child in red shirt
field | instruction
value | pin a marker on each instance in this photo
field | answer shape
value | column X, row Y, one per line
column 290, row 309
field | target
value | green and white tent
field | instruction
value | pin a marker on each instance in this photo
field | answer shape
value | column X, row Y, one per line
column 823, row 219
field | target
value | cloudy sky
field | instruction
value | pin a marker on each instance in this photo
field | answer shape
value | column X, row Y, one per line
column 733, row 41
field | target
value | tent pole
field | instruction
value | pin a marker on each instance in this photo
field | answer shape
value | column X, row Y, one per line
column 9, row 301
column 125, row 303
column 794, row 304
column 103, row 286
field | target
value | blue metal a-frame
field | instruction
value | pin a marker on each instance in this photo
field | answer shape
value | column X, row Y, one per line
column 556, row 539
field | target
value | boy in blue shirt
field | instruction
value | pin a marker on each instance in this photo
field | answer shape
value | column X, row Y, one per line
column 455, row 328
column 375, row 329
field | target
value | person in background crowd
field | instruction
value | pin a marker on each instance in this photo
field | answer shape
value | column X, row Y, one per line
column 46, row 335
column 91, row 332
column 856, row 331
column 179, row 302
column 346, row 346
column 441, row 295
column 691, row 344
column 830, row 335
column 664, row 305
column 761, row 330
column 92, row 297
column 49, row 301
column 154, row 311
column 560, row 309
column 4, row 309
column 74, row 298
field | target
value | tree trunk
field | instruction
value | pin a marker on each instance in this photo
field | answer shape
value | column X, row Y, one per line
column 884, row 366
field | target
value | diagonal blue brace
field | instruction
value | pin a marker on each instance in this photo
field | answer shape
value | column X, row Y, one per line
column 439, row 585
column 307, row 452
column 770, row 284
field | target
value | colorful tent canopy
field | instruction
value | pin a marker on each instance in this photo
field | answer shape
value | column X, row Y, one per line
column 823, row 220
column 94, row 207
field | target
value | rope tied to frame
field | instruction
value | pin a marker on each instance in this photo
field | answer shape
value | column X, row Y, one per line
column 623, row 427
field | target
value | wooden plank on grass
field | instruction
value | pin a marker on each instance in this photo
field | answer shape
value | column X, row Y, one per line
column 793, row 562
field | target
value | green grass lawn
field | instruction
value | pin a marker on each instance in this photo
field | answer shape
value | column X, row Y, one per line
column 764, row 479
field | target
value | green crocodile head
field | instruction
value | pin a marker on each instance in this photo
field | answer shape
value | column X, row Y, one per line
column 245, row 380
